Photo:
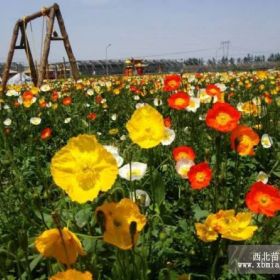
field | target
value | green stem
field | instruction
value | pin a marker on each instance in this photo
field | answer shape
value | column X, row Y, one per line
column 215, row 260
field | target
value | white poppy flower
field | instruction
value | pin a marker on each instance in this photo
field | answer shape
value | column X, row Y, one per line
column 114, row 117
column 157, row 102
column 139, row 105
column 136, row 97
column 169, row 136
column 221, row 86
column 115, row 152
column 240, row 107
column 204, row 97
column 12, row 92
column 90, row 92
column 266, row 141
column 194, row 104
column 67, row 120
column 45, row 88
column 183, row 166
column 7, row 122
column 141, row 196
column 123, row 137
column 262, row 177
column 35, row 120
column 191, row 78
column 138, row 170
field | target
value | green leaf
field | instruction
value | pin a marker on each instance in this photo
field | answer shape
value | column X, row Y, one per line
column 199, row 213
column 83, row 216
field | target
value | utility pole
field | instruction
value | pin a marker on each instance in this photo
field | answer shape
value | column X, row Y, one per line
column 225, row 48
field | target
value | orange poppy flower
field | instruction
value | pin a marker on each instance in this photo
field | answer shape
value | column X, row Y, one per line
column 46, row 133
column 72, row 274
column 67, row 100
column 213, row 90
column 172, row 82
column 263, row 199
column 243, row 139
column 42, row 103
column 179, row 100
column 183, row 152
column 61, row 244
column 222, row 117
column 200, row 175
column 122, row 223
column 267, row 98
column 27, row 99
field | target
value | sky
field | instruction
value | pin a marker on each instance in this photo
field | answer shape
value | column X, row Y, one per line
column 149, row 29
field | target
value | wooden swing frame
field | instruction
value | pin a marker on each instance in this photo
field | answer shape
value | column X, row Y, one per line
column 51, row 13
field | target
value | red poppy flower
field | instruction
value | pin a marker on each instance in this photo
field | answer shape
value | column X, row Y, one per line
column 172, row 82
column 91, row 116
column 54, row 96
column 46, row 133
column 98, row 99
column 27, row 96
column 222, row 117
column 179, row 100
column 67, row 100
column 263, row 199
column 213, row 90
column 243, row 139
column 183, row 152
column 200, row 175
column 167, row 122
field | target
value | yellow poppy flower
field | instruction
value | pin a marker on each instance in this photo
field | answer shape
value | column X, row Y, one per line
column 205, row 233
column 146, row 127
column 120, row 218
column 240, row 229
column 72, row 274
column 83, row 168
column 230, row 226
column 63, row 245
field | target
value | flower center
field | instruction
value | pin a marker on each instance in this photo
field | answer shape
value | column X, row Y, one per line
column 134, row 173
column 172, row 83
column 200, row 176
column 179, row 101
column 87, row 177
column 223, row 118
column 264, row 200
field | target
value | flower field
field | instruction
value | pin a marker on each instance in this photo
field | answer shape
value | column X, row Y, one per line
column 142, row 177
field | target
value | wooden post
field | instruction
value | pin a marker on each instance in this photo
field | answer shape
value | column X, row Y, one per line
column 29, row 55
column 46, row 49
column 67, row 45
column 6, row 72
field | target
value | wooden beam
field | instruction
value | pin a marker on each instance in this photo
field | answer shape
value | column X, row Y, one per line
column 46, row 50
column 67, row 45
column 42, row 12
column 57, row 38
column 6, row 72
column 29, row 55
